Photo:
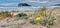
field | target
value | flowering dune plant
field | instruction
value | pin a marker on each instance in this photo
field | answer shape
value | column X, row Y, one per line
column 43, row 17
column 38, row 18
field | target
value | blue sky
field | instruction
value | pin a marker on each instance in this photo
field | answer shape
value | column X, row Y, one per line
column 33, row 3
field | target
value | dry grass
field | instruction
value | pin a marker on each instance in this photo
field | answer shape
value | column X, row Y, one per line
column 55, row 14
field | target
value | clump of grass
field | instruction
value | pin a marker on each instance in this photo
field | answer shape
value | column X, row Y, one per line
column 22, row 16
column 47, row 18
column 5, row 14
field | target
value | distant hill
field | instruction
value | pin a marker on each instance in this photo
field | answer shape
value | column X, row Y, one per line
column 57, row 5
column 23, row 4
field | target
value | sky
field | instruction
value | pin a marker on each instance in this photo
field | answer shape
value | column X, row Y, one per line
column 14, row 3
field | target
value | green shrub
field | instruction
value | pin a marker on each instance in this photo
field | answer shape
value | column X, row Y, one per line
column 22, row 16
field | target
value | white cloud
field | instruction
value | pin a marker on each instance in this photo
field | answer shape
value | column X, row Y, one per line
column 7, row 4
column 43, row 1
column 40, row 1
column 29, row 0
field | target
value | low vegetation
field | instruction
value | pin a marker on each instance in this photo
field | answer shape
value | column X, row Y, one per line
column 45, row 17
column 22, row 16
column 5, row 14
column 41, row 16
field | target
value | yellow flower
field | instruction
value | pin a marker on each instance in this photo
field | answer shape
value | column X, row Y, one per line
column 38, row 19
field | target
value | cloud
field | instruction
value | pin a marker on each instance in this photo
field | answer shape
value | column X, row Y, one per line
column 8, row 4
column 43, row 1
column 33, row 0
column 40, row 1
column 28, row 0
